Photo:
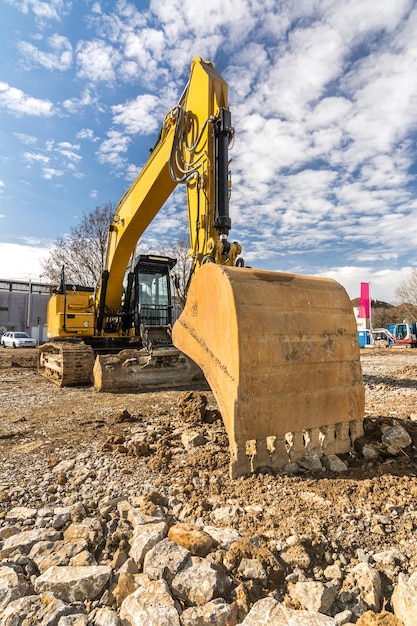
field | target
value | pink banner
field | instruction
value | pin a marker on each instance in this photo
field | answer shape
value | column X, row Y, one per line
column 365, row 302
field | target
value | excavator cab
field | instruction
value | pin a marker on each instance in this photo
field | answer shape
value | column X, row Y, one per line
column 149, row 310
column 153, row 306
column 147, row 300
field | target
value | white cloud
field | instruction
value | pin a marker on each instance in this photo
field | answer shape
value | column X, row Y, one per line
column 140, row 115
column 28, row 140
column 112, row 148
column 359, row 19
column 145, row 47
column 69, row 151
column 382, row 282
column 16, row 101
column 34, row 157
column 55, row 159
column 42, row 10
column 59, row 58
column 142, row 50
column 87, row 133
column 49, row 173
column 96, row 60
column 184, row 20
column 112, row 25
column 73, row 105
column 22, row 261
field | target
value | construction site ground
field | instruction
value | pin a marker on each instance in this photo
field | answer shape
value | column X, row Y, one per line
column 340, row 514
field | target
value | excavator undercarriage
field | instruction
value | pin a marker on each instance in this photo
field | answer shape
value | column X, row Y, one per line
column 66, row 363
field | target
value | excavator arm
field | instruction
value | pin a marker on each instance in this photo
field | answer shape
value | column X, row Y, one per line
column 193, row 150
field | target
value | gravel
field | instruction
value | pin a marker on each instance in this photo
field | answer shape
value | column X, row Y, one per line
column 73, row 452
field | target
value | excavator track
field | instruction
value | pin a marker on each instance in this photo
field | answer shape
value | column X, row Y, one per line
column 66, row 364
column 281, row 355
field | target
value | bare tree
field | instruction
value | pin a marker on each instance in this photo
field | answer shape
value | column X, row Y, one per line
column 406, row 293
column 83, row 251
column 181, row 272
column 383, row 314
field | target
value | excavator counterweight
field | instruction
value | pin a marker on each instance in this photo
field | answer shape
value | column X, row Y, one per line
column 281, row 355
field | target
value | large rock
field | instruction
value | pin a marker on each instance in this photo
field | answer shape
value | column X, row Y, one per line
column 12, row 586
column 20, row 513
column 165, row 560
column 88, row 529
column 45, row 610
column 269, row 612
column 252, row 569
column 78, row 619
column 314, row 595
column 150, row 605
column 138, row 518
column 144, row 538
column 126, row 584
column 198, row 542
column 74, row 584
column 48, row 553
column 216, row 612
column 223, row 536
column 397, row 436
column 24, row 541
column 106, row 617
column 200, row 583
column 404, row 599
column 369, row 582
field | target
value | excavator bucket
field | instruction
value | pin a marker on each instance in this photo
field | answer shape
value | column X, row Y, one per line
column 281, row 355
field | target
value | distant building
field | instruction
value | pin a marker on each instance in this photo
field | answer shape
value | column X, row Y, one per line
column 23, row 307
column 378, row 310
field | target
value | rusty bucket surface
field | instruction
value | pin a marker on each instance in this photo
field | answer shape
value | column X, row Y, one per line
column 281, row 355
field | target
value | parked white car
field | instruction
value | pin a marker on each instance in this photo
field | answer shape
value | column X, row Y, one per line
column 17, row 340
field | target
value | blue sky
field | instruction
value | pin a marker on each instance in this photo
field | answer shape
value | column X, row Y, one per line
column 323, row 97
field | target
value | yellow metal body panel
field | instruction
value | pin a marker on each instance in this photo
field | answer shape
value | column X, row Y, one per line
column 70, row 315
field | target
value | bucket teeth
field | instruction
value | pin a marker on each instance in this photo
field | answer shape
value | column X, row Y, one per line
column 275, row 453
column 312, row 441
column 295, row 446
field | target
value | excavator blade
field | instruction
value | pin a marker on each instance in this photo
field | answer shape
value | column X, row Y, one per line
column 136, row 370
column 281, row 355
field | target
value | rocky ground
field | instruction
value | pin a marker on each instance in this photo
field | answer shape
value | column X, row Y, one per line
column 118, row 510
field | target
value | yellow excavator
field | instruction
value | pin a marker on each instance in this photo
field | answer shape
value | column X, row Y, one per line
column 278, row 350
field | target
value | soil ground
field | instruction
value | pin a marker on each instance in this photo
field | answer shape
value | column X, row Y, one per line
column 361, row 509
